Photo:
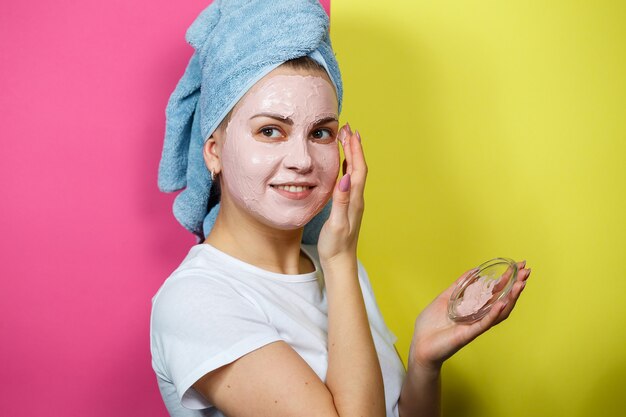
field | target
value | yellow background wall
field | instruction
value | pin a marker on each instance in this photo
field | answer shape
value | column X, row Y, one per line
column 497, row 128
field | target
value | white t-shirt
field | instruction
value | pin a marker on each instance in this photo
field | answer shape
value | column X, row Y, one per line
column 215, row 308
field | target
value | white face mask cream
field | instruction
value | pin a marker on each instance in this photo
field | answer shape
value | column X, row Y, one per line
column 474, row 297
column 280, row 157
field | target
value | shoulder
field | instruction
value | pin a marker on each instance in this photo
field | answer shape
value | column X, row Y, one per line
column 200, row 285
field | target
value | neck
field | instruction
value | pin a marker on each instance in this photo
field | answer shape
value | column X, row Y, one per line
column 253, row 242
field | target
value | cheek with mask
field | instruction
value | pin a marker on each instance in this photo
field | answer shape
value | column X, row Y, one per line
column 280, row 159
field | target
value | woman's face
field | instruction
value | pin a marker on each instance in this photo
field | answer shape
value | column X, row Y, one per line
column 279, row 157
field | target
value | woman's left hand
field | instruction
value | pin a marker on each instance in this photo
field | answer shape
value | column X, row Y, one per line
column 437, row 337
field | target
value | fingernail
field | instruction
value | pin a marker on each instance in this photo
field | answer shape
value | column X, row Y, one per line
column 358, row 136
column 523, row 284
column 523, row 263
column 528, row 273
column 344, row 184
column 342, row 135
column 349, row 130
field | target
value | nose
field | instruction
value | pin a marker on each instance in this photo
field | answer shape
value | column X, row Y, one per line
column 298, row 157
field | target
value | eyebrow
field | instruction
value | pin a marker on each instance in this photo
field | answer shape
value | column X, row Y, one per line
column 288, row 121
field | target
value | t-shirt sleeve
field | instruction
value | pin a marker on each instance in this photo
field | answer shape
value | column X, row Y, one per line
column 369, row 298
column 201, row 323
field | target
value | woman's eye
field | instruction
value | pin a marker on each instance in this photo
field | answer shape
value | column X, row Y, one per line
column 323, row 134
column 271, row 132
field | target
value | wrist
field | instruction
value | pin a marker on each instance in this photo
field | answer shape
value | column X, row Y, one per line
column 339, row 262
column 419, row 362
column 424, row 371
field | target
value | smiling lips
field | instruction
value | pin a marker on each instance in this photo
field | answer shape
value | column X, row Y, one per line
column 294, row 192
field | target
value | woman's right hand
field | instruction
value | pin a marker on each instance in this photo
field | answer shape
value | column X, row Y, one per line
column 339, row 235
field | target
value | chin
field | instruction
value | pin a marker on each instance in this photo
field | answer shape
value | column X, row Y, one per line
column 294, row 219
column 287, row 224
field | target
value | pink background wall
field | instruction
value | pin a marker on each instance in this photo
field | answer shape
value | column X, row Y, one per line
column 86, row 237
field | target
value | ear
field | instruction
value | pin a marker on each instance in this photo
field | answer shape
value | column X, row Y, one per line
column 211, row 152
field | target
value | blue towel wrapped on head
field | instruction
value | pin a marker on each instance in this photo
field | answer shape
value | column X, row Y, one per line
column 236, row 42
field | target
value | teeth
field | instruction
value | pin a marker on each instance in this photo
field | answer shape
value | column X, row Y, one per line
column 293, row 188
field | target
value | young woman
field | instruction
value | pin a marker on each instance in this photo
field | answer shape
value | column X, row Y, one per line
column 256, row 323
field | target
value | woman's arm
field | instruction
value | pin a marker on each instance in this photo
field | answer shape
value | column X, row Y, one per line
column 436, row 338
column 354, row 377
column 421, row 393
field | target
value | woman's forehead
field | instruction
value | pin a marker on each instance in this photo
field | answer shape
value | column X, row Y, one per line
column 290, row 90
